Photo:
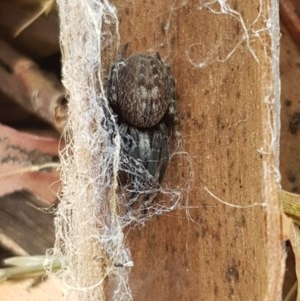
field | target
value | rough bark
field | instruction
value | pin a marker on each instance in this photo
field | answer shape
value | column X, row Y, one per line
column 30, row 87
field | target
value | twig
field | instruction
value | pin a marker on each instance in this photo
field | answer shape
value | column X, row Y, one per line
column 33, row 89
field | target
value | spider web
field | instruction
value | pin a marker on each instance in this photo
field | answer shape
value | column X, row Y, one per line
column 90, row 241
column 94, row 208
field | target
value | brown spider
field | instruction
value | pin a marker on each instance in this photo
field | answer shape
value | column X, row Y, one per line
column 141, row 90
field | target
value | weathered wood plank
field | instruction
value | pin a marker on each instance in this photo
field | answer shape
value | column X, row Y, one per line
column 227, row 244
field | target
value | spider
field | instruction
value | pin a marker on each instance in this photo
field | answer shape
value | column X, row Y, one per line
column 141, row 91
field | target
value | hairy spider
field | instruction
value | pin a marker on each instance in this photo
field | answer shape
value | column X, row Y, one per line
column 141, row 90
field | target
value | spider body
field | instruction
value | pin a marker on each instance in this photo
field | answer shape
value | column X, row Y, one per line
column 141, row 91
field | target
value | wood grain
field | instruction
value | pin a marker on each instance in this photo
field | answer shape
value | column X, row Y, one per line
column 213, row 250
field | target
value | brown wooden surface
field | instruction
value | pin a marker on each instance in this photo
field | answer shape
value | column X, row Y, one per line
column 290, row 139
column 290, row 113
column 211, row 251
column 32, row 290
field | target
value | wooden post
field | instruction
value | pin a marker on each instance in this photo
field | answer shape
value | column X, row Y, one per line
column 226, row 243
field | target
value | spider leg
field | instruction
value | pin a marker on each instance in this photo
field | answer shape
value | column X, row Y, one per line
column 164, row 152
column 159, row 153
column 112, row 84
column 111, row 88
column 153, row 163
column 123, row 128
column 141, row 155
column 135, row 152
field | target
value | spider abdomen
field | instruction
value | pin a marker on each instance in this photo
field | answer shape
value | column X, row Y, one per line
column 143, row 90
